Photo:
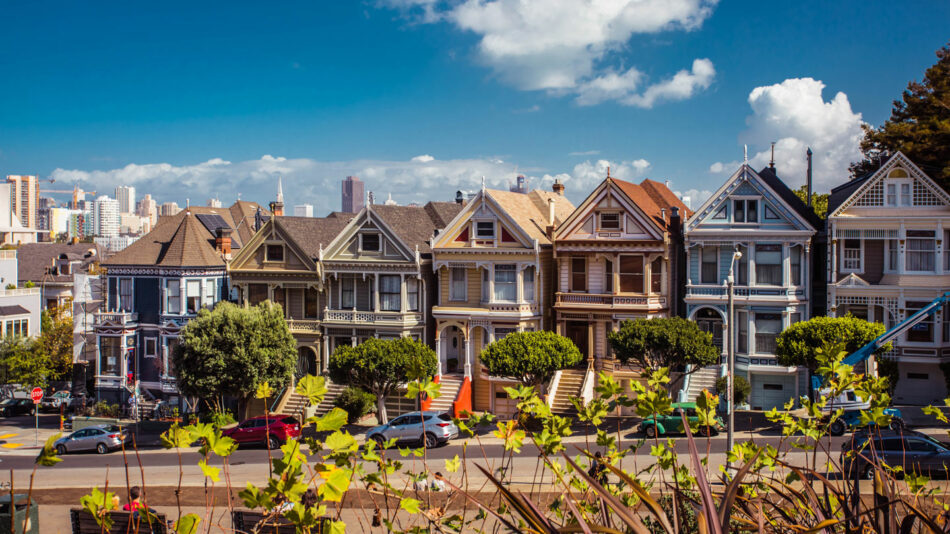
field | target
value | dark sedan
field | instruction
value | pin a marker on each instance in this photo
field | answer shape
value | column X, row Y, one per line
column 912, row 451
column 11, row 407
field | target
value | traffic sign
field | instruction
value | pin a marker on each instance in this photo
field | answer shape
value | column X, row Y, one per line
column 36, row 395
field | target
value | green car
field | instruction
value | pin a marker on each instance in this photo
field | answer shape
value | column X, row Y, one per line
column 666, row 424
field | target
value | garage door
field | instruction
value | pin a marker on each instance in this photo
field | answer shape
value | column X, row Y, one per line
column 503, row 406
column 772, row 391
column 919, row 384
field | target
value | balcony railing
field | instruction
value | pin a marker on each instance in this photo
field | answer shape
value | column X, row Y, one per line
column 19, row 292
column 370, row 317
column 743, row 291
column 304, row 325
column 116, row 317
column 594, row 299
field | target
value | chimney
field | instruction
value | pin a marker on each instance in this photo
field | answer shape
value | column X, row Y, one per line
column 772, row 159
column 808, row 178
column 459, row 197
column 551, row 211
column 222, row 240
column 277, row 209
column 558, row 187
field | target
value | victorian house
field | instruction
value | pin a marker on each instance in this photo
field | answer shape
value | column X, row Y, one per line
column 757, row 215
column 888, row 257
column 495, row 276
column 156, row 285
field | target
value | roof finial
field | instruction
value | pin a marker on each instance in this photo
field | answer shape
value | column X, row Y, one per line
column 745, row 154
column 772, row 161
column 280, row 191
column 608, row 171
column 483, row 183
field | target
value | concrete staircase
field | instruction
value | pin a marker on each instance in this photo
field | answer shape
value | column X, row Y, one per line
column 295, row 403
column 705, row 378
column 447, row 394
column 570, row 386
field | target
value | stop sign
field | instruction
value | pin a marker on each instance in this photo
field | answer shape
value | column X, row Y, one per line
column 36, row 395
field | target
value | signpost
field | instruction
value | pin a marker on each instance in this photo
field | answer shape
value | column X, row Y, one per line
column 37, row 395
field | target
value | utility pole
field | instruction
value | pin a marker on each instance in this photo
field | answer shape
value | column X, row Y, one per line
column 731, row 365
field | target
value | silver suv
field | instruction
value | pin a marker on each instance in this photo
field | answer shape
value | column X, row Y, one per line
column 434, row 428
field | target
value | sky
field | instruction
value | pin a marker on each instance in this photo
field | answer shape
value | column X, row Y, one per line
column 419, row 98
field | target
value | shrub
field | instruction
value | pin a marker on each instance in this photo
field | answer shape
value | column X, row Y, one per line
column 740, row 385
column 355, row 402
column 219, row 418
column 104, row 409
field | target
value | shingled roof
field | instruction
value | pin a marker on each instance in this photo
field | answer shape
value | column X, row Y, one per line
column 776, row 184
column 37, row 261
column 415, row 225
column 530, row 210
column 655, row 199
column 312, row 233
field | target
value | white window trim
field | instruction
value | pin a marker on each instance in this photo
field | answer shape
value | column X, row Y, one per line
column 494, row 225
column 620, row 221
column 887, row 255
column 118, row 292
column 570, row 274
column 380, row 242
column 145, row 347
column 860, row 268
column 897, row 192
column 938, row 259
column 464, row 285
column 745, row 198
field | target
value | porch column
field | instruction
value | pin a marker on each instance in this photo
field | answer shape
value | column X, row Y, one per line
column 375, row 292
column 519, row 281
column 438, row 353
column 270, row 292
column 467, row 347
column 403, row 298
column 326, row 353
column 182, row 297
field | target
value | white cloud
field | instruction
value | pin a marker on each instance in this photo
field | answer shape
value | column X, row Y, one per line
column 694, row 198
column 586, row 175
column 425, row 158
column 566, row 46
column 795, row 116
column 584, row 153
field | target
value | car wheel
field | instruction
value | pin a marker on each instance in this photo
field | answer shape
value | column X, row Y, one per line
column 273, row 442
column 380, row 441
column 431, row 441
column 101, row 448
column 61, row 450
column 836, row 428
column 897, row 424
column 650, row 431
column 705, row 431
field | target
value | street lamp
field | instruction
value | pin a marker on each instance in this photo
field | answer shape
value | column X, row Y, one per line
column 731, row 355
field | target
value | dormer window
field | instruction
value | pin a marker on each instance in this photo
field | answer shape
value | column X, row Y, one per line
column 610, row 221
column 369, row 242
column 485, row 229
column 745, row 211
column 275, row 253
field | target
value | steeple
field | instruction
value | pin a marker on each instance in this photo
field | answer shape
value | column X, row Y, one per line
column 277, row 207
column 280, row 191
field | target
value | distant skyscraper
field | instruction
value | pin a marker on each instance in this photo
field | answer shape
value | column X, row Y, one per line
column 43, row 217
column 390, row 201
column 353, row 194
column 148, row 208
column 126, row 197
column 105, row 216
column 519, row 186
column 303, row 210
column 25, row 198
column 169, row 208
column 214, row 203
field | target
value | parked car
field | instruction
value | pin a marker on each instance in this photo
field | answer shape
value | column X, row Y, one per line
column 99, row 438
column 673, row 423
column 270, row 430
column 432, row 428
column 11, row 407
column 913, row 451
column 54, row 401
column 853, row 405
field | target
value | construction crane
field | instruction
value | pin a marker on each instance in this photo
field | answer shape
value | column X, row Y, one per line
column 76, row 191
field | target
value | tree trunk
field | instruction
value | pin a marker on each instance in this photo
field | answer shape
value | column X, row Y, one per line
column 381, row 409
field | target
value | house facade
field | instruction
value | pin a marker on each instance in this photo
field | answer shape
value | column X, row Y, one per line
column 888, row 257
column 53, row 266
column 756, row 214
column 493, row 264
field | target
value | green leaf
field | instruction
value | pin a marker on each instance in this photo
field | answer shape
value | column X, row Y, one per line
column 341, row 441
column 211, row 472
column 453, row 465
column 188, row 524
column 47, row 456
column 424, row 386
column 410, row 505
column 337, row 527
column 334, row 420
column 264, row 391
column 313, row 387
column 336, row 482
column 176, row 437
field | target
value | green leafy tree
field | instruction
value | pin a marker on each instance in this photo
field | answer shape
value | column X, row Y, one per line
column 380, row 366
column 919, row 126
column 531, row 357
column 664, row 342
column 55, row 343
column 800, row 343
column 21, row 362
column 819, row 201
column 231, row 350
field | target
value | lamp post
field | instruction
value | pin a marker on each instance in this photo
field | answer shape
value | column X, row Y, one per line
column 731, row 355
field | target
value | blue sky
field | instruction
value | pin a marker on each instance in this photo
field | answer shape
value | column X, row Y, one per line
column 185, row 100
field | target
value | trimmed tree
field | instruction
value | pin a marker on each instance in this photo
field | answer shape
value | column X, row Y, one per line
column 798, row 344
column 669, row 342
column 22, row 363
column 55, row 343
column 531, row 357
column 231, row 350
column 380, row 366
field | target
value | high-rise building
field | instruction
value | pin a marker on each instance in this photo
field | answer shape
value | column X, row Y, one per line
column 25, row 198
column 105, row 217
column 126, row 196
column 147, row 207
column 353, row 194
column 214, row 203
column 520, row 185
column 43, row 218
column 168, row 209
column 303, row 210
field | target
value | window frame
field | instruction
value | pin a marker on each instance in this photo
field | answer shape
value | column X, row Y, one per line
column 505, row 269
column 600, row 221
column 898, row 185
column 574, row 273
column 745, row 203
column 656, row 276
column 773, row 317
column 145, row 343
column 477, row 230
column 624, row 275
column 796, row 276
column 780, row 264
column 390, row 294
column 379, row 242
column 412, row 293
column 463, row 284
column 913, row 307
column 703, row 263
column 169, row 297
column 269, row 247
column 908, row 253
column 344, row 292
column 528, row 283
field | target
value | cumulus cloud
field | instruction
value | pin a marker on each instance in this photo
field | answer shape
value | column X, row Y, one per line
column 694, row 198
column 584, row 153
column 586, row 175
column 566, row 46
column 795, row 116
column 425, row 158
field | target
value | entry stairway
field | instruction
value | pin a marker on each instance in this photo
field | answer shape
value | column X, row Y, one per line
column 570, row 384
column 295, row 403
column 704, row 378
column 449, row 390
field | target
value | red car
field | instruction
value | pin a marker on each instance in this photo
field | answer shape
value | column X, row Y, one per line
column 257, row 430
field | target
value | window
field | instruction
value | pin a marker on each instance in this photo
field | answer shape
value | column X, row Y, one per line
column 110, row 350
column 742, row 341
column 946, row 323
column 457, row 281
column 656, row 275
column 280, row 298
column 485, row 229
column 390, row 293
column 170, row 345
column 921, row 250
column 369, row 242
column 892, row 255
column 17, row 328
column 742, row 266
column 347, row 292
column 905, row 194
column 275, row 253
column 172, row 296
column 151, row 347
column 768, row 265
column 608, row 276
column 256, row 293
column 899, row 193
column 891, row 194
column 311, row 303
column 578, row 274
column 528, row 284
column 412, row 293
column 486, row 285
column 193, row 295
column 125, row 294
column 709, row 271
column 210, row 293
column 745, row 211
column 946, row 250
column 851, row 255
column 769, row 213
column 610, row 221
column 795, row 264
column 721, row 214
column 506, row 284
column 631, row 273
column 767, row 328
column 922, row 332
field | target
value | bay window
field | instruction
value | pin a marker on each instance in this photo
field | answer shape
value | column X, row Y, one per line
column 742, row 336
column 631, row 273
column 486, row 285
column 767, row 328
column 768, row 264
column 256, row 293
column 608, row 276
column 709, row 270
column 656, row 275
column 457, row 281
column 208, row 297
column 110, row 352
column 193, row 295
column 412, row 293
column 280, row 298
column 921, row 251
column 390, row 293
column 795, row 264
column 528, row 284
column 742, row 273
column 311, row 303
column 172, row 296
column 506, row 284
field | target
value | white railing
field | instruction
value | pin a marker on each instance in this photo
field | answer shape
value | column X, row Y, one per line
column 7, row 254
column 744, row 291
column 19, row 292
column 303, row 325
column 116, row 317
column 609, row 300
column 587, row 388
column 370, row 317
column 552, row 388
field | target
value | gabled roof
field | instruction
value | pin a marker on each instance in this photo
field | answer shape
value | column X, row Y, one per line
column 653, row 198
column 313, row 233
column 851, row 191
column 37, row 261
column 415, row 225
column 789, row 197
column 530, row 211
column 844, row 191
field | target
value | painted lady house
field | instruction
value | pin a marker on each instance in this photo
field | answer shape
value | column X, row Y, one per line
column 756, row 214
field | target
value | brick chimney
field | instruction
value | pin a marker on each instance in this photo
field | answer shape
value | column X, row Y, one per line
column 558, row 187
column 222, row 241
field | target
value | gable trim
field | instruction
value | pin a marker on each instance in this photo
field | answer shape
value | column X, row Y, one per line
column 352, row 230
column 579, row 215
column 451, row 230
column 882, row 173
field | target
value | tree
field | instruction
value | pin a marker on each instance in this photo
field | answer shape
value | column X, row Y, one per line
column 531, row 357
column 819, row 201
column 55, row 343
column 380, row 366
column 231, row 350
column 919, row 126
column 21, row 363
column 798, row 344
column 670, row 342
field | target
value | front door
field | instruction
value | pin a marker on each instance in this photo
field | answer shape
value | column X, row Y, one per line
column 453, row 351
column 306, row 362
column 579, row 333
